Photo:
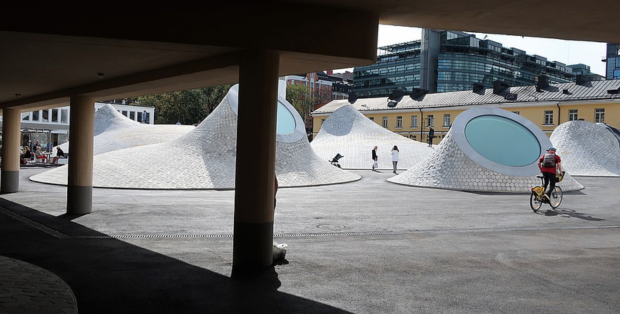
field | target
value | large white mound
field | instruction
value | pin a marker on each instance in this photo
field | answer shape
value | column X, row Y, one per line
column 455, row 165
column 114, row 131
column 107, row 118
column 349, row 133
column 205, row 158
column 587, row 149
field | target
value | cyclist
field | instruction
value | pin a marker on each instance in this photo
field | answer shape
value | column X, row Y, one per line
column 550, row 164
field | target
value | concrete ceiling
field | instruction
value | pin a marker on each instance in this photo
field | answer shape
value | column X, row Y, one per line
column 567, row 19
column 51, row 51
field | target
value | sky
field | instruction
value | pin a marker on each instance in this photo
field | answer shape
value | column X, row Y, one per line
column 565, row 51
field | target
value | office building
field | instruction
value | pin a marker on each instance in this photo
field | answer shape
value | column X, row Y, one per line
column 447, row 61
column 612, row 58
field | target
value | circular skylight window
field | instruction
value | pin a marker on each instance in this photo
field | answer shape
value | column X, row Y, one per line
column 286, row 120
column 290, row 126
column 500, row 140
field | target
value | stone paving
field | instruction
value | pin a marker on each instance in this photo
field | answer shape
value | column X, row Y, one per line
column 204, row 158
column 348, row 132
column 368, row 246
column 587, row 149
column 26, row 288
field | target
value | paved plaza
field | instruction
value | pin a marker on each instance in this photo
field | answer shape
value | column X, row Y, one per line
column 368, row 246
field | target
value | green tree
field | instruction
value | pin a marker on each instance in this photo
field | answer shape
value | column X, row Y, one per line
column 301, row 98
column 188, row 107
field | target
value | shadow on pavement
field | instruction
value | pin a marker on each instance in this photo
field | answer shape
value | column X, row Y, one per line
column 571, row 213
column 111, row 276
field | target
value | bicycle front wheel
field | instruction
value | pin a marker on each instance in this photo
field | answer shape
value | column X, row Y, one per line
column 556, row 197
column 535, row 202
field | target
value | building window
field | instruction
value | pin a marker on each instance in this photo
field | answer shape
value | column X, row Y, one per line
column 45, row 115
column 430, row 120
column 55, row 115
column 548, row 117
column 385, row 122
column 572, row 115
column 516, row 112
column 25, row 116
column 64, row 116
column 399, row 122
column 414, row 121
column 446, row 120
column 322, row 120
column 132, row 115
column 35, row 116
column 124, row 113
column 371, row 118
column 599, row 115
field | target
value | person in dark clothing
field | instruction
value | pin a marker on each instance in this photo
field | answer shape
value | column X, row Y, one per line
column 59, row 153
column 275, row 191
column 279, row 249
column 375, row 159
column 550, row 164
column 25, row 156
column 431, row 135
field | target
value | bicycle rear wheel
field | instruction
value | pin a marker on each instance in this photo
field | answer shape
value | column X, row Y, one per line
column 556, row 197
column 535, row 202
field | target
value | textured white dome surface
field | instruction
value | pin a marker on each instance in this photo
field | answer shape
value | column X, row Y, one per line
column 449, row 168
column 455, row 165
column 587, row 149
column 204, row 158
column 349, row 133
column 114, row 131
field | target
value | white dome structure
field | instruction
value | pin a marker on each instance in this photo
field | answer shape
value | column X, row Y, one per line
column 205, row 157
column 587, row 149
column 114, row 131
column 487, row 150
column 349, row 133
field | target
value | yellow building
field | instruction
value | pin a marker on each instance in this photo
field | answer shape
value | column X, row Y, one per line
column 546, row 106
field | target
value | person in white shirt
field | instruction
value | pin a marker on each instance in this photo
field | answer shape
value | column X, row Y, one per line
column 395, row 152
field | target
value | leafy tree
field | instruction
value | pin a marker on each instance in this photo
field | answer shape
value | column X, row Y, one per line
column 188, row 107
column 301, row 98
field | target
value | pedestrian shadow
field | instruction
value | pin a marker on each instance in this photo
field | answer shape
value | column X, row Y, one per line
column 567, row 212
column 108, row 275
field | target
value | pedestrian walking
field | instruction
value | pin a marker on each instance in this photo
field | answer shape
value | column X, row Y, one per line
column 431, row 135
column 395, row 153
column 375, row 159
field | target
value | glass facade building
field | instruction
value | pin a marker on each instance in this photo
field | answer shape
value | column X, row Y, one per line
column 613, row 62
column 397, row 68
column 461, row 60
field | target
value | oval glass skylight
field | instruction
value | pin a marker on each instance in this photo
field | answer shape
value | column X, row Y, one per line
column 502, row 140
column 286, row 120
column 290, row 127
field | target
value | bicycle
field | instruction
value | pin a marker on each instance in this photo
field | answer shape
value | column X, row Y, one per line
column 537, row 199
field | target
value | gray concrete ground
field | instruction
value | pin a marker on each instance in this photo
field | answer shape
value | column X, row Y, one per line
column 364, row 247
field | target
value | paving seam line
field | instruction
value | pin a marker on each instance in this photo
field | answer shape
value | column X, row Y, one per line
column 60, row 235
column 34, row 224
column 332, row 234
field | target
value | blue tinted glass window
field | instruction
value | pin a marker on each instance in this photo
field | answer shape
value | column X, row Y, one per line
column 502, row 141
column 286, row 120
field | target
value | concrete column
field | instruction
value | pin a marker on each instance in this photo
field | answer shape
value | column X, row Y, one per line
column 11, row 120
column 256, row 143
column 81, row 133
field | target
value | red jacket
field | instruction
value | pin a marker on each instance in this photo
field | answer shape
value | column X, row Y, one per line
column 549, row 169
